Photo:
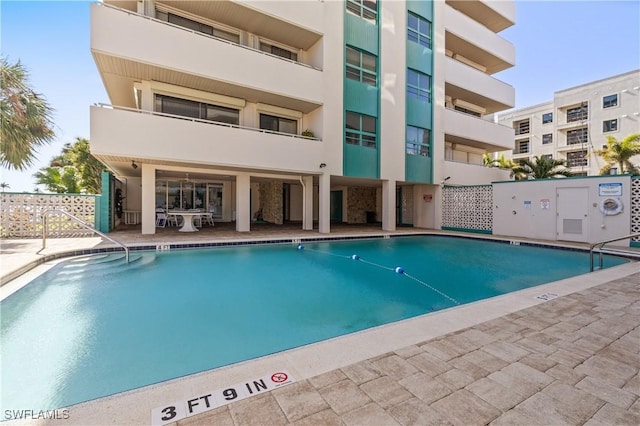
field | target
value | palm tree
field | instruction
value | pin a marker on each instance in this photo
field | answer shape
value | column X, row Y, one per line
column 26, row 118
column 619, row 153
column 76, row 164
column 540, row 167
column 501, row 161
column 4, row 186
column 61, row 180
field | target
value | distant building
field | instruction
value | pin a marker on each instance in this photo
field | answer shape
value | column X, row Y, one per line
column 577, row 122
column 315, row 112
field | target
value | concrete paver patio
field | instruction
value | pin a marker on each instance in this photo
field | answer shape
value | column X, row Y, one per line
column 572, row 360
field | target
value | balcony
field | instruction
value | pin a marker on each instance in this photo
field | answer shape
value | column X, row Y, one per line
column 299, row 26
column 472, row 131
column 468, row 38
column 495, row 15
column 476, row 87
column 195, row 60
column 473, row 174
column 119, row 134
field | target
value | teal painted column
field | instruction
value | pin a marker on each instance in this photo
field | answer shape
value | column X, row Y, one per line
column 105, row 204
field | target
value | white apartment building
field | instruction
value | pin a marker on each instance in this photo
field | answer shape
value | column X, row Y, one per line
column 307, row 111
column 575, row 125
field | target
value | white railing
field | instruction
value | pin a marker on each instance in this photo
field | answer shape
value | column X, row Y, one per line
column 200, row 120
column 198, row 33
column 80, row 222
column 599, row 248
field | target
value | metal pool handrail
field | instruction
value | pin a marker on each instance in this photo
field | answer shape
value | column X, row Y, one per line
column 601, row 245
column 81, row 222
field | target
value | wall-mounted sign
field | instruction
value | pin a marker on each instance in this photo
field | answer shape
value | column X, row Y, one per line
column 610, row 189
column 527, row 205
column 545, row 204
column 427, row 198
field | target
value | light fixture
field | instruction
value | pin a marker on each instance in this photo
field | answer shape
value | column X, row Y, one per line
column 444, row 180
column 134, row 165
column 323, row 165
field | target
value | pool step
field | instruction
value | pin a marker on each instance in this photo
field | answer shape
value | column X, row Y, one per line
column 112, row 263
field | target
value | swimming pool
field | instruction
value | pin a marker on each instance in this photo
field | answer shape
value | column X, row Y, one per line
column 91, row 327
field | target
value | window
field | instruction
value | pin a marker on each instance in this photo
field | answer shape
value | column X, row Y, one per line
column 522, row 127
column 578, row 113
column 522, row 146
column 577, row 158
column 278, row 124
column 547, row 156
column 419, row 30
column 547, row 118
column 418, row 85
column 547, row 138
column 610, row 101
column 367, row 9
column 278, row 51
column 361, row 67
column 577, row 136
column 194, row 109
column 360, row 130
column 418, row 141
column 197, row 26
column 610, row 125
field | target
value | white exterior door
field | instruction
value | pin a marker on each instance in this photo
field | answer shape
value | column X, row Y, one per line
column 572, row 214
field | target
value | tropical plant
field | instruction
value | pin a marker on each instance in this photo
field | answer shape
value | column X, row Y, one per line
column 25, row 115
column 619, row 153
column 73, row 171
column 62, row 180
column 4, row 186
column 540, row 167
column 501, row 161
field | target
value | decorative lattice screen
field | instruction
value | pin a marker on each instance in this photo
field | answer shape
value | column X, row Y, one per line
column 21, row 215
column 635, row 206
column 468, row 207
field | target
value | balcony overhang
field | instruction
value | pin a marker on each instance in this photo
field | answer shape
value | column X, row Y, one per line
column 490, row 105
column 495, row 15
column 477, row 54
column 119, row 74
column 253, row 20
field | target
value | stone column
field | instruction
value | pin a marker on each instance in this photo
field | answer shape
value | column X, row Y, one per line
column 388, row 205
column 243, row 211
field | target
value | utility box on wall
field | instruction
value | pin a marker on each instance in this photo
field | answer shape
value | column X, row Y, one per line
column 587, row 210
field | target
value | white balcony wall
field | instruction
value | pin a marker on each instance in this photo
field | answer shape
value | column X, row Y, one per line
column 145, row 136
column 477, row 34
column 148, row 42
column 309, row 15
column 468, row 78
column 473, row 174
column 488, row 135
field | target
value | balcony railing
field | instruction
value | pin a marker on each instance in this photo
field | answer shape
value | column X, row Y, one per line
column 198, row 33
column 199, row 120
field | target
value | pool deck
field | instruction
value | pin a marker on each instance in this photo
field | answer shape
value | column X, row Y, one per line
column 511, row 359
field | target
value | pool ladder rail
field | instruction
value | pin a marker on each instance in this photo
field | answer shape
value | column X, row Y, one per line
column 46, row 213
column 600, row 250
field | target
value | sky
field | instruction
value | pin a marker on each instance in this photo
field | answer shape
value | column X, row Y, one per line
column 558, row 45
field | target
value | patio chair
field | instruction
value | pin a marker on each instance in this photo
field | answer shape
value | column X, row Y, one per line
column 161, row 220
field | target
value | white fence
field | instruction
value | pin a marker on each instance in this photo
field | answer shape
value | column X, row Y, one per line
column 21, row 214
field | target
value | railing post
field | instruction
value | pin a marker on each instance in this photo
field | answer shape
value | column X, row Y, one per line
column 44, row 230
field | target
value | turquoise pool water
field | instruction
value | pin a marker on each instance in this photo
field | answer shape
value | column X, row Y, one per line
column 93, row 326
